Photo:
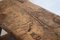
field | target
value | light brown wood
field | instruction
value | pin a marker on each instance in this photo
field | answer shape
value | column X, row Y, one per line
column 27, row 21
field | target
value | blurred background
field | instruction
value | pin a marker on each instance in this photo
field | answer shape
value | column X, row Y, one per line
column 51, row 5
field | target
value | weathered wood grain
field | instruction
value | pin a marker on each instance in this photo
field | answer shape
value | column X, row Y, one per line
column 27, row 21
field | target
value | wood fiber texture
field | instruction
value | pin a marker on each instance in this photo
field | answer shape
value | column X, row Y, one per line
column 27, row 21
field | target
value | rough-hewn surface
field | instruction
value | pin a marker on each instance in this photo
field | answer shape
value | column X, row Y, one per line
column 27, row 21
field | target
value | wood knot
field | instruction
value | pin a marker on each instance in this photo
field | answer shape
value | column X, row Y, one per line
column 56, row 20
column 22, row 1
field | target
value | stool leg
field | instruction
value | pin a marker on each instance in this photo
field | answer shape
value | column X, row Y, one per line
column 7, row 37
column 0, row 30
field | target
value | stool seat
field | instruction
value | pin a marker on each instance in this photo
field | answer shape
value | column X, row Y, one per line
column 24, row 20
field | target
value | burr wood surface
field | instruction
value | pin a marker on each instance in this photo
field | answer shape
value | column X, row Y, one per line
column 27, row 21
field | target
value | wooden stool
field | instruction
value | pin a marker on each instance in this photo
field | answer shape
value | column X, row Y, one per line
column 27, row 21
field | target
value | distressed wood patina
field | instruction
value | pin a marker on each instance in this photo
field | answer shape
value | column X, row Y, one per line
column 27, row 21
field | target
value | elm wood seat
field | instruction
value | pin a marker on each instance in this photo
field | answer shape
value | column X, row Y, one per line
column 27, row 21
